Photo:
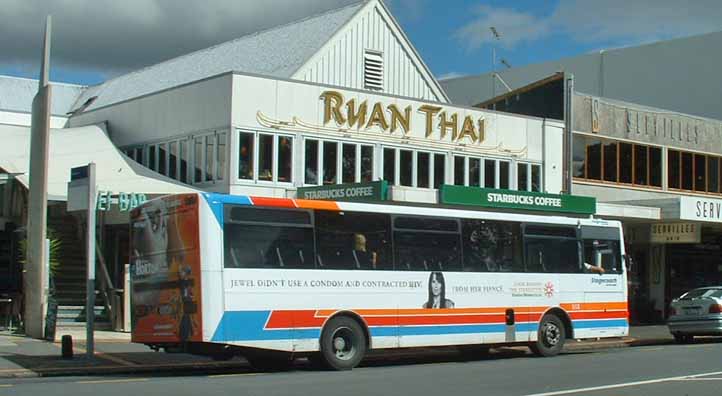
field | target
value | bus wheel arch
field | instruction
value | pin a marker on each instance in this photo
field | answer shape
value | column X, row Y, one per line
column 344, row 341
column 566, row 321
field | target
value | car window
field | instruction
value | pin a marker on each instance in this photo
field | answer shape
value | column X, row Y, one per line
column 696, row 293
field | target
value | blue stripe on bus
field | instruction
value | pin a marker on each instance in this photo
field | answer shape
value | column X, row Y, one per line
column 250, row 326
column 216, row 201
column 591, row 324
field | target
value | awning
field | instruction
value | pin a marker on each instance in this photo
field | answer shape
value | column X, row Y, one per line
column 74, row 147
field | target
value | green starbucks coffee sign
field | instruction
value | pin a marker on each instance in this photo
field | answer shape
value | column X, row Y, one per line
column 373, row 191
column 509, row 199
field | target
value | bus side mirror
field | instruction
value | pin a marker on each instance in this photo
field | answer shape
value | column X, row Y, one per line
column 628, row 262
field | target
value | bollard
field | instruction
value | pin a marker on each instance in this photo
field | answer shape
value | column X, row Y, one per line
column 67, row 346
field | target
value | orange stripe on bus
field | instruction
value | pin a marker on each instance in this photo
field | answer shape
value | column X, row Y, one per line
column 321, row 205
column 273, row 202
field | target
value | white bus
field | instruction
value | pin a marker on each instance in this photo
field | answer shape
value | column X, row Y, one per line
column 271, row 279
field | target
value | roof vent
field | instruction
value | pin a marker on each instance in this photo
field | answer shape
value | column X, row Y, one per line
column 373, row 70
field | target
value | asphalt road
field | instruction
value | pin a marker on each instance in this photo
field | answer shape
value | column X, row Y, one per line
column 654, row 370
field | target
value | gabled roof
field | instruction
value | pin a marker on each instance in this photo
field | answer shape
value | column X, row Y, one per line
column 16, row 94
column 277, row 52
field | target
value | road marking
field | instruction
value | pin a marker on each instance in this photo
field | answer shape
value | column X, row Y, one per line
column 6, row 385
column 232, row 375
column 651, row 349
column 625, row 384
column 113, row 381
column 699, row 379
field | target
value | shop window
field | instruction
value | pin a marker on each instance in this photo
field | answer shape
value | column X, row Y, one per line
column 210, row 159
column 489, row 173
column 439, row 170
column 311, row 160
column 367, row 163
column 184, row 159
column 610, row 161
column 521, row 176
column 265, row 157
column 579, row 156
column 673, row 169
column 173, row 160
column 713, row 174
column 700, row 172
column 348, row 163
column 475, row 172
column 626, row 162
column 687, row 171
column 390, row 165
column 422, row 169
column 245, row 156
column 330, row 152
column 406, row 167
column 139, row 155
column 198, row 159
column 151, row 158
column 655, row 166
column 594, row 159
column 536, row 181
column 640, row 164
column 459, row 170
column 504, row 175
column 162, row 157
column 285, row 159
column 221, row 162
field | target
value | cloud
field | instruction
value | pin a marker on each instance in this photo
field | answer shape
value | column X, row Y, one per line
column 450, row 75
column 514, row 27
column 118, row 36
column 613, row 22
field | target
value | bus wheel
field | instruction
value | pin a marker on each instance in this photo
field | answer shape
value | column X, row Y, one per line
column 550, row 338
column 343, row 343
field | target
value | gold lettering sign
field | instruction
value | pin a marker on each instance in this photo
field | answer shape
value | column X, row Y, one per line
column 444, row 124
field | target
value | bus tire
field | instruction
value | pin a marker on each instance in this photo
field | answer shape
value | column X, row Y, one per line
column 550, row 337
column 343, row 343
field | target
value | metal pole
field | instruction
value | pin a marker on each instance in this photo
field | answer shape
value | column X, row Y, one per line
column 34, row 277
column 568, row 127
column 90, row 286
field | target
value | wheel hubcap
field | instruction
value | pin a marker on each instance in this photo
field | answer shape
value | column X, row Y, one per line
column 551, row 334
column 342, row 343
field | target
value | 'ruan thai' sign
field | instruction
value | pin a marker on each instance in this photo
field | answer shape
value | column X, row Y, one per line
column 676, row 233
column 391, row 118
column 373, row 191
column 509, row 199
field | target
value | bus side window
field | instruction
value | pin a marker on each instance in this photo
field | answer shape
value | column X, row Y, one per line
column 603, row 253
column 427, row 244
column 490, row 246
column 353, row 241
column 551, row 249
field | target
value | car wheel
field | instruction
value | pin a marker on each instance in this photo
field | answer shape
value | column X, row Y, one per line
column 343, row 343
column 550, row 337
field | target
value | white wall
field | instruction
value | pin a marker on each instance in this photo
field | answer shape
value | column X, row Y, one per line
column 24, row 119
column 340, row 62
column 194, row 107
column 553, row 157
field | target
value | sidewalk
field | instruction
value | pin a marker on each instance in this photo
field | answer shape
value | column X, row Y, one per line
column 21, row 356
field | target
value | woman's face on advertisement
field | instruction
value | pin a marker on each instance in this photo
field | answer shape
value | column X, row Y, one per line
column 435, row 286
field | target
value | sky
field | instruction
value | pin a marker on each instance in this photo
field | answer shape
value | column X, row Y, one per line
column 94, row 40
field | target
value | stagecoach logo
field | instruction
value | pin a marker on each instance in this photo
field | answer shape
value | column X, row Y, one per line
column 604, row 281
column 549, row 290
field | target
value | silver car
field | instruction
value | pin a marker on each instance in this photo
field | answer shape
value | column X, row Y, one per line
column 696, row 313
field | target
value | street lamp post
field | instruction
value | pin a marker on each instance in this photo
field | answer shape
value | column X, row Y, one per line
column 497, row 36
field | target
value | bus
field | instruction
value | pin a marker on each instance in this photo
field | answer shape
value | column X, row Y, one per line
column 272, row 279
